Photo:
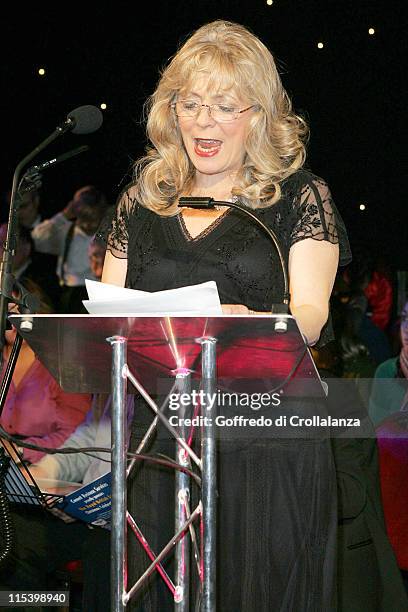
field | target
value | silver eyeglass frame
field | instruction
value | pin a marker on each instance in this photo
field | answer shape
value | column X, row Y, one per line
column 210, row 107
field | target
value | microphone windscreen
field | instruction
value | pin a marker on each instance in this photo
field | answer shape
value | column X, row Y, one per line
column 86, row 119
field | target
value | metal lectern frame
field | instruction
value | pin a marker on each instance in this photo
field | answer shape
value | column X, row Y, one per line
column 120, row 373
column 62, row 344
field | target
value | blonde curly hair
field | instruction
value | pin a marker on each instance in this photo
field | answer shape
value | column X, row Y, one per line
column 232, row 58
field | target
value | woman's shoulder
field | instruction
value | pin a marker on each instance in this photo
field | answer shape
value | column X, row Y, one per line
column 128, row 196
column 309, row 201
column 302, row 180
column 128, row 202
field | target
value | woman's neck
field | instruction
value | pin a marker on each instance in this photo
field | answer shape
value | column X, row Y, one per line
column 218, row 188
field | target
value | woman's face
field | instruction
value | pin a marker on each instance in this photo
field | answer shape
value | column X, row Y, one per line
column 214, row 148
column 404, row 326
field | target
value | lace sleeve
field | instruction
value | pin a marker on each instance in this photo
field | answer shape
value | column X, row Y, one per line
column 318, row 217
column 113, row 232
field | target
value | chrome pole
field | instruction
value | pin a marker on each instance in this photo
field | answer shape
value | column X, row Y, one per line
column 209, row 473
column 182, row 497
column 118, row 528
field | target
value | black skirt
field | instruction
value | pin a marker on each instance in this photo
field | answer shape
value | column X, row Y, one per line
column 276, row 522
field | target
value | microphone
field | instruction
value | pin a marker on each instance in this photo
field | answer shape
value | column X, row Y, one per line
column 32, row 177
column 82, row 120
column 52, row 162
column 57, row 160
column 210, row 203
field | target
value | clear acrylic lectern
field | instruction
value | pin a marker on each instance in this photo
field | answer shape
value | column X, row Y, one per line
column 81, row 350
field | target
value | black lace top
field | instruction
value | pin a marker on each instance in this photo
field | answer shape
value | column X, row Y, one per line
column 232, row 251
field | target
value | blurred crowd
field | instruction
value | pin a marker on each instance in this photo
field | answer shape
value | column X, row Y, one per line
column 59, row 253
column 52, row 259
column 369, row 311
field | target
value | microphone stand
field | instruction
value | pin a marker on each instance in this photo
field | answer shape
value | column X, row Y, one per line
column 7, row 281
column 88, row 121
column 210, row 203
column 26, row 301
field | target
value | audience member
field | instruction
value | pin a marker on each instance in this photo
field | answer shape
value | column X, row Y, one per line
column 369, row 274
column 44, row 542
column 389, row 389
column 379, row 293
column 367, row 572
column 36, row 408
column 357, row 314
column 392, row 436
column 29, row 265
column 68, row 235
column 388, row 410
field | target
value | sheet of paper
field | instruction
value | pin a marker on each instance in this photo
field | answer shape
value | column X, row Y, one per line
column 193, row 300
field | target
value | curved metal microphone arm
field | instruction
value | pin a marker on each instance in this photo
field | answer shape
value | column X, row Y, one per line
column 209, row 203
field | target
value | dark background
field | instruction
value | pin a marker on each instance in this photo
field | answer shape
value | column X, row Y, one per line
column 353, row 93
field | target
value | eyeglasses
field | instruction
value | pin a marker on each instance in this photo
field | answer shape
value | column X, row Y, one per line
column 219, row 112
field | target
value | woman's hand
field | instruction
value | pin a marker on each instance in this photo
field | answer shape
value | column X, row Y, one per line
column 71, row 210
column 236, row 309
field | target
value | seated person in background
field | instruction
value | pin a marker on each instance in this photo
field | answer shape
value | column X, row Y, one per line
column 379, row 293
column 356, row 359
column 29, row 265
column 371, row 272
column 95, row 431
column 68, row 235
column 36, row 408
column 388, row 393
column 44, row 542
column 392, row 437
column 42, row 265
column 388, row 409
column 353, row 295
column 368, row 577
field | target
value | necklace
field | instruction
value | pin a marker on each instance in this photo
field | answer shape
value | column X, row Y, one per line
column 220, row 206
column 215, row 207
column 230, row 199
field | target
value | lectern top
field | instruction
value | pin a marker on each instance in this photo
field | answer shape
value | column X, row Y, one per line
column 75, row 350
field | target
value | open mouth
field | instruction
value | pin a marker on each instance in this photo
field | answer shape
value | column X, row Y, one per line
column 207, row 147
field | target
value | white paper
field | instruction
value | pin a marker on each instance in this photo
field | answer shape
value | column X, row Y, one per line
column 193, row 300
